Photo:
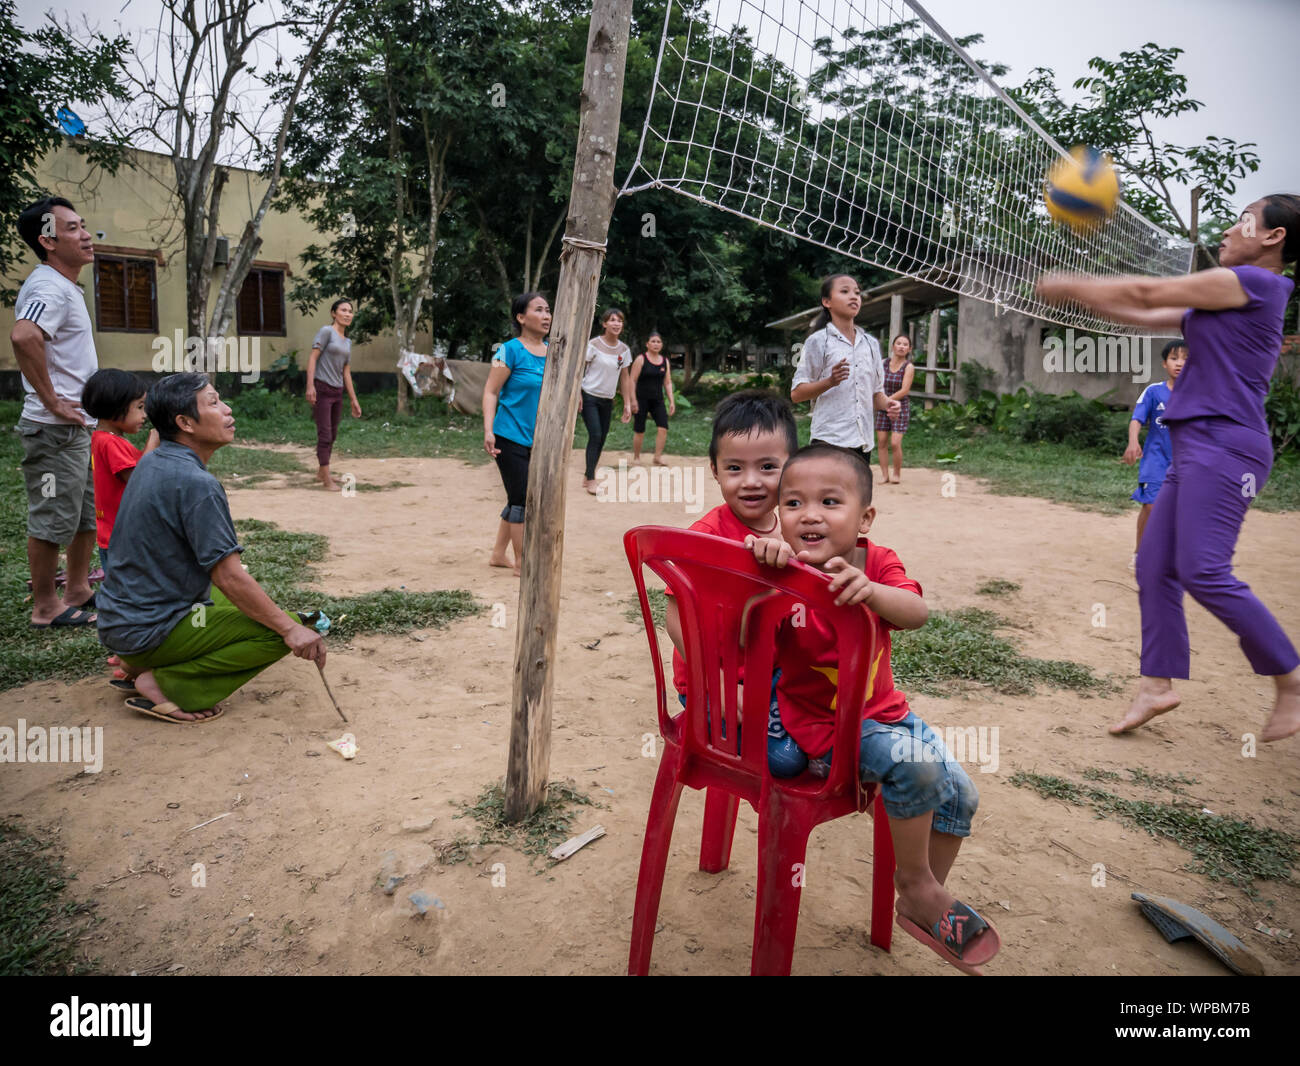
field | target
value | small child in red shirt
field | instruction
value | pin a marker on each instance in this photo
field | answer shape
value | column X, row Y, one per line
column 116, row 399
column 825, row 511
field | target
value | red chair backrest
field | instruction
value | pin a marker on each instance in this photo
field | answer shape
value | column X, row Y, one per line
column 730, row 607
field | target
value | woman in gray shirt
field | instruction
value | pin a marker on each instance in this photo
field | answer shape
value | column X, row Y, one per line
column 328, row 374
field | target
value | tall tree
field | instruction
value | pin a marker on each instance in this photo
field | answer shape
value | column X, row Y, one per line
column 198, row 92
column 1125, row 96
column 42, row 72
column 398, row 125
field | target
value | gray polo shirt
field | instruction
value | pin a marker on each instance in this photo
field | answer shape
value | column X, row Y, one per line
column 172, row 528
column 335, row 353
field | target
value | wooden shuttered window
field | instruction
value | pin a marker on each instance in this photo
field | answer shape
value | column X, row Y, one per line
column 126, row 295
column 260, row 307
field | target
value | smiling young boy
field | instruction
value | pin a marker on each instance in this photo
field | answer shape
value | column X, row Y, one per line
column 825, row 513
column 754, row 433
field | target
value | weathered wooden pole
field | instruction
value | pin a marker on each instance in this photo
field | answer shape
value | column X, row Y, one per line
column 591, row 202
column 931, row 356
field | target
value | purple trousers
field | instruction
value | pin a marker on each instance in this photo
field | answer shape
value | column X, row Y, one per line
column 1218, row 467
column 327, row 411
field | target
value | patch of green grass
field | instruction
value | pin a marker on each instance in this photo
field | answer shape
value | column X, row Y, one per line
column 998, row 587
column 238, row 466
column 281, row 559
column 1223, row 849
column 39, row 928
column 1093, row 774
column 1050, row 787
column 658, row 607
column 375, row 486
column 537, row 835
column 1089, row 480
column 1167, row 782
column 962, row 645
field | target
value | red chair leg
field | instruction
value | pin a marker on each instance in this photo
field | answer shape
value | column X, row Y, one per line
column 654, row 860
column 783, row 828
column 882, row 879
column 719, row 830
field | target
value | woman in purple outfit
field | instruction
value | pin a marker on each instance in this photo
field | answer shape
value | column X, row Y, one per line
column 1222, row 453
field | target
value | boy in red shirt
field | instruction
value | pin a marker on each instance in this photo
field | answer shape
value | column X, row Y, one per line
column 825, row 512
column 754, row 433
column 116, row 398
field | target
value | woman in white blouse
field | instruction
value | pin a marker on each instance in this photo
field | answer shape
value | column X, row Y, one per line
column 608, row 360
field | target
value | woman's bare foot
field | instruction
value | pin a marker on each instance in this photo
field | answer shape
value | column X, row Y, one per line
column 590, row 485
column 659, row 461
column 1155, row 695
column 327, row 482
column 1285, row 720
column 503, row 562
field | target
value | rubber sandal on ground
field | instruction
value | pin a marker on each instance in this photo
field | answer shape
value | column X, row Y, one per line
column 953, row 938
column 70, row 618
column 125, row 684
column 164, row 711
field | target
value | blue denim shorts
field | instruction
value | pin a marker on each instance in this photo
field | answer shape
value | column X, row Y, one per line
column 916, row 773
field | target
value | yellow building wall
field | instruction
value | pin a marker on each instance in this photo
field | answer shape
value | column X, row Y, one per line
column 136, row 208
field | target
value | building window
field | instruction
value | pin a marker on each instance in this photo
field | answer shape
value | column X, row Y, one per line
column 260, row 311
column 126, row 295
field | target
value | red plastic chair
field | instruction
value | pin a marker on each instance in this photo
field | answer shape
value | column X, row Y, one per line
column 725, row 598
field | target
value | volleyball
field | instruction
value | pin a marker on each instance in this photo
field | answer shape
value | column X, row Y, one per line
column 1082, row 189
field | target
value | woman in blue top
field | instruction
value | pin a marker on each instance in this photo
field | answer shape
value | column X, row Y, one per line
column 514, row 386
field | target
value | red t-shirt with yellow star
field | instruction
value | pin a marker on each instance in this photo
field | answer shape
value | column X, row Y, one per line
column 808, row 658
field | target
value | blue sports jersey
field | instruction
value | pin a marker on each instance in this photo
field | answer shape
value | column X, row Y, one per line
column 517, row 404
column 1156, row 451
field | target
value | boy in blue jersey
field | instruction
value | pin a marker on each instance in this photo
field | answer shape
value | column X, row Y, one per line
column 1149, row 412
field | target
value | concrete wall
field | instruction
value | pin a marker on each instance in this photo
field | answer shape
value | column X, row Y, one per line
column 136, row 209
column 1014, row 347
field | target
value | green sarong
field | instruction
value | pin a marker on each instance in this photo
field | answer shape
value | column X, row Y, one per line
column 210, row 654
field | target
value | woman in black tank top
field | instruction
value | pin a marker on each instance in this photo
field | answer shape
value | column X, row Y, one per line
column 651, row 376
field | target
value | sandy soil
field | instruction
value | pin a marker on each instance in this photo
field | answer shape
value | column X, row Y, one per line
column 294, row 873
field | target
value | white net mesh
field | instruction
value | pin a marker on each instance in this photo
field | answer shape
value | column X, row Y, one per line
column 863, row 127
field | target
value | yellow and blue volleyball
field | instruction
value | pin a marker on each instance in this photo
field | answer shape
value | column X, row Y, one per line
column 1082, row 189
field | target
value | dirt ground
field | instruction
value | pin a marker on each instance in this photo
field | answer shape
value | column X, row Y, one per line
column 293, row 874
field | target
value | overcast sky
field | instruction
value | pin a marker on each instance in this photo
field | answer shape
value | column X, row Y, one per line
column 1237, row 57
column 1237, row 60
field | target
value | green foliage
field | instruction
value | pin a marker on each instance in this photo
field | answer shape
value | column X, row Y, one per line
column 998, row 587
column 1223, row 849
column 537, row 835
column 658, row 607
column 39, row 928
column 280, row 560
column 1125, row 96
column 42, row 71
column 1282, row 407
column 962, row 646
column 1036, row 416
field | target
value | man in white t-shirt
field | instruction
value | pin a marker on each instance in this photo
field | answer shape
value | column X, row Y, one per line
column 54, row 344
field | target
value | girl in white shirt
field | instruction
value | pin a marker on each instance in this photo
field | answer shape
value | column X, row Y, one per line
column 608, row 359
column 841, row 372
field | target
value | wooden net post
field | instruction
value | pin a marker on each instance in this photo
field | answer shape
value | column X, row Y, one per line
column 591, row 203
